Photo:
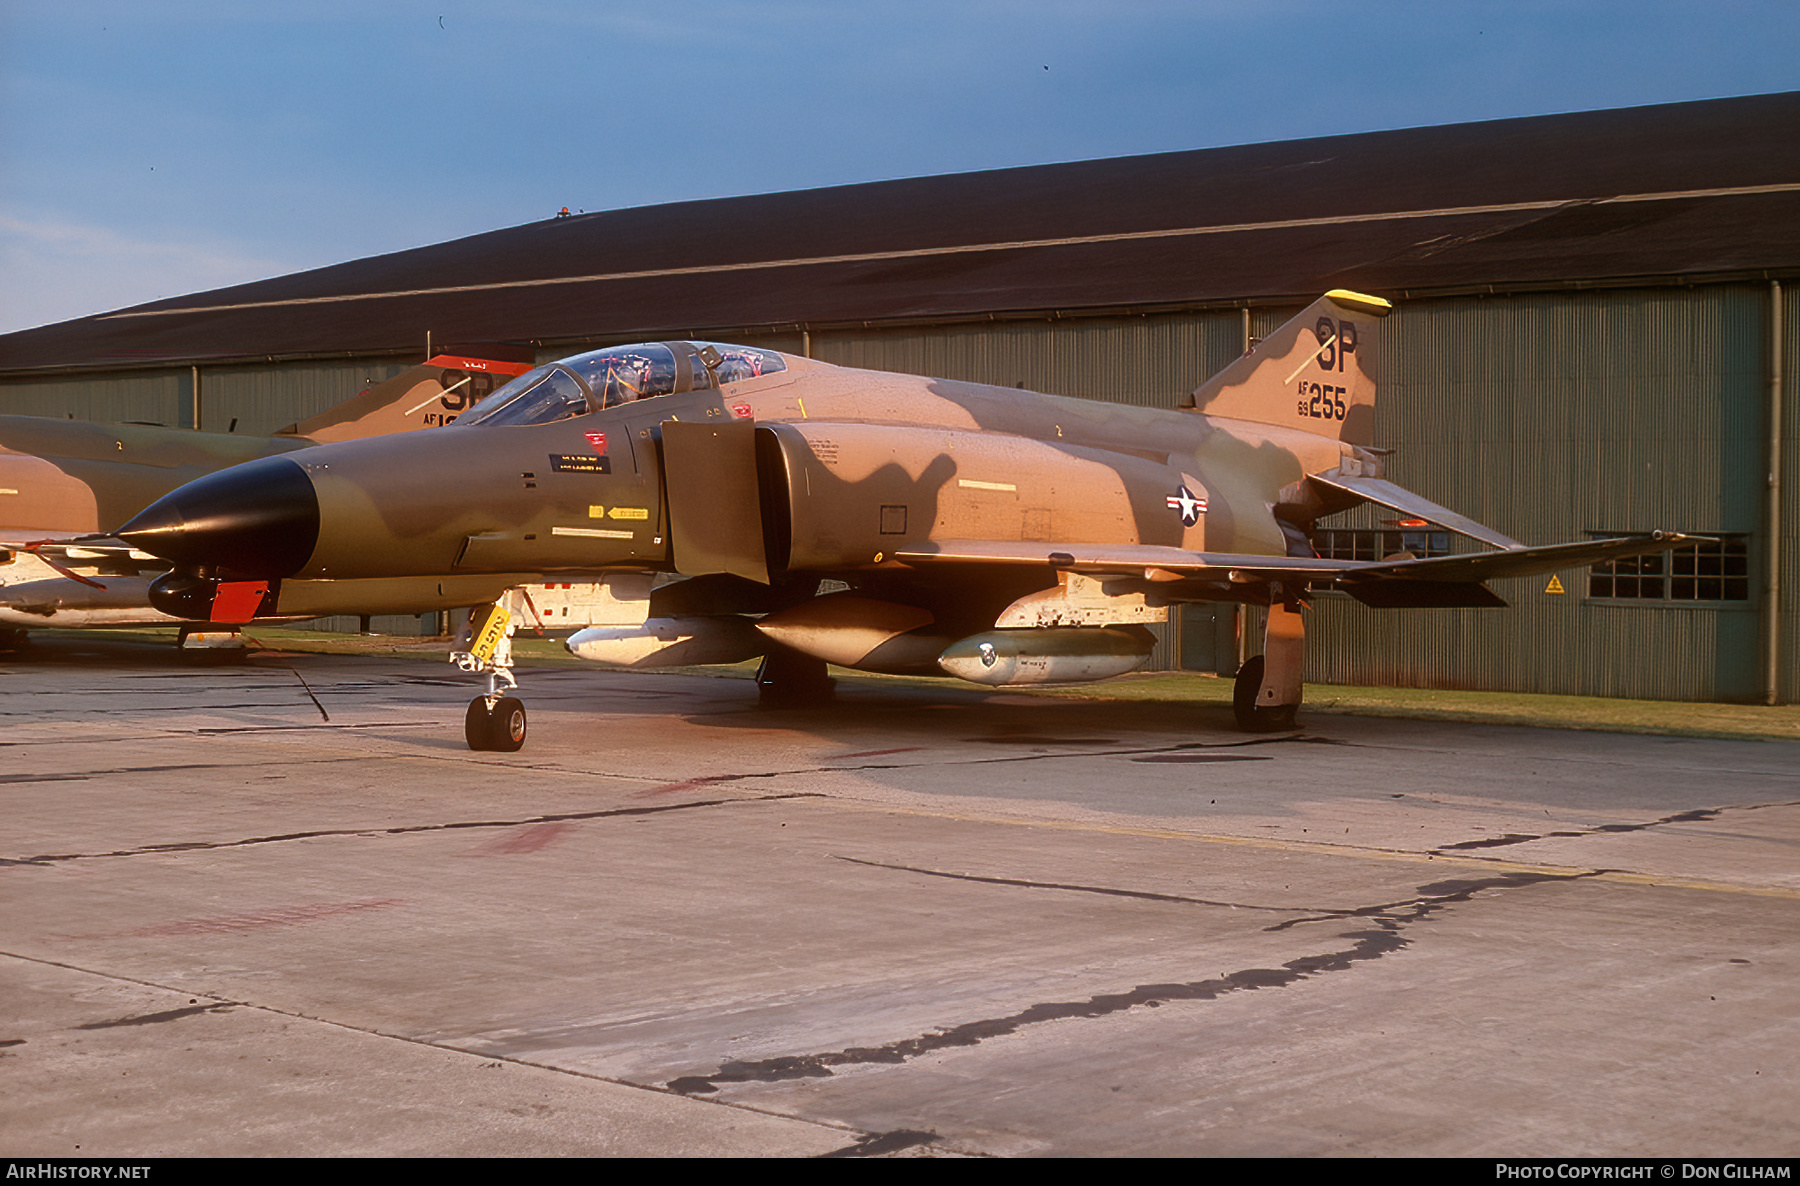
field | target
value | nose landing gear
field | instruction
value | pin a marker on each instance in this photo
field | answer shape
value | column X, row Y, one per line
column 495, row 721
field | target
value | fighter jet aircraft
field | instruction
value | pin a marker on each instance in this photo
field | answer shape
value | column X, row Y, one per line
column 62, row 479
column 739, row 501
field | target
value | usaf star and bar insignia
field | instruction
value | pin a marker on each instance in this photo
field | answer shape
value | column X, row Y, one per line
column 1190, row 505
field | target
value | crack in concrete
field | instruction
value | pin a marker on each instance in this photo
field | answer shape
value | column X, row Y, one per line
column 1437, row 895
column 1022, row 883
column 112, row 710
column 156, row 1018
column 205, row 845
column 1201, row 758
column 211, row 730
column 880, row 1144
column 1387, row 937
column 1696, row 815
column 1559, row 757
column 706, row 779
column 84, row 775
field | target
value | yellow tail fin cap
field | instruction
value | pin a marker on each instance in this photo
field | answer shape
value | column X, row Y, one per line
column 1359, row 302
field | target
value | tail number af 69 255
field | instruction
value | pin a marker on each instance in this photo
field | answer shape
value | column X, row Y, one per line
column 1322, row 402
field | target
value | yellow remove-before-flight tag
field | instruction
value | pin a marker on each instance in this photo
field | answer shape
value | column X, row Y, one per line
column 491, row 629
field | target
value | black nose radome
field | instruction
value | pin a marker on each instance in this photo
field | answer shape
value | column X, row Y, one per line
column 259, row 519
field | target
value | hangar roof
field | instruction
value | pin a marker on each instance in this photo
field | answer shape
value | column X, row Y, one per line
column 1704, row 190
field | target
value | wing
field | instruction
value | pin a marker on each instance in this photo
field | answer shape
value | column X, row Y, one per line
column 1181, row 575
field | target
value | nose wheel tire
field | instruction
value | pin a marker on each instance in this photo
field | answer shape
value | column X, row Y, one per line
column 501, row 728
column 1250, row 717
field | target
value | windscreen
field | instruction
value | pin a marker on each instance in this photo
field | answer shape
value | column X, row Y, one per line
column 537, row 397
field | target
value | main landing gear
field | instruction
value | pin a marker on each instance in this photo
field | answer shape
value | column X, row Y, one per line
column 1266, row 696
column 788, row 679
column 495, row 721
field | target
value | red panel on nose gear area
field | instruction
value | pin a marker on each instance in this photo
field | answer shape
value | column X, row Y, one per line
column 238, row 601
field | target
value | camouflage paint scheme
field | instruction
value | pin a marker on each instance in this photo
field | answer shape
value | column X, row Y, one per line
column 62, row 479
column 943, row 509
column 967, row 461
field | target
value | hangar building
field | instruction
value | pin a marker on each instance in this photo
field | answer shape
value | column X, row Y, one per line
column 1589, row 338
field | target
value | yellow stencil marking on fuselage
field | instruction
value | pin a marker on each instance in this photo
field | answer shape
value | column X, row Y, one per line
column 591, row 532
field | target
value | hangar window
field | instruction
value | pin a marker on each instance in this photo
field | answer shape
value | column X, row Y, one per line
column 1415, row 536
column 1716, row 568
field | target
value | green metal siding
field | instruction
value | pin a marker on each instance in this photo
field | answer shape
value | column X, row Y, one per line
column 262, row 399
column 266, row 399
column 1153, row 361
column 1788, row 567
column 1549, row 417
column 157, row 397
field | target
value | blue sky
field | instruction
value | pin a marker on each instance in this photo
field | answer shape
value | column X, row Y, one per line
column 149, row 149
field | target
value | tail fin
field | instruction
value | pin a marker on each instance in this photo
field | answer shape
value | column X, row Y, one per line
column 424, row 396
column 1317, row 373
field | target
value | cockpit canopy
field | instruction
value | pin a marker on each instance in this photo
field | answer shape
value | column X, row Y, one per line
column 617, row 375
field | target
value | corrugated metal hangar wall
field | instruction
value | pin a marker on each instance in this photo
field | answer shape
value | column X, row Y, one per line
column 250, row 399
column 1588, row 335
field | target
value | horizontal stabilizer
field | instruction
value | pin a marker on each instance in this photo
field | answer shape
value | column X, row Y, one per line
column 1523, row 562
column 1398, row 498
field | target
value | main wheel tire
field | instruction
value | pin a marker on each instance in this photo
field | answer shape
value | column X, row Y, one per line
column 507, row 726
column 1250, row 717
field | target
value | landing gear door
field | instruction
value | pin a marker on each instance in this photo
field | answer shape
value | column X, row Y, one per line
column 715, row 509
